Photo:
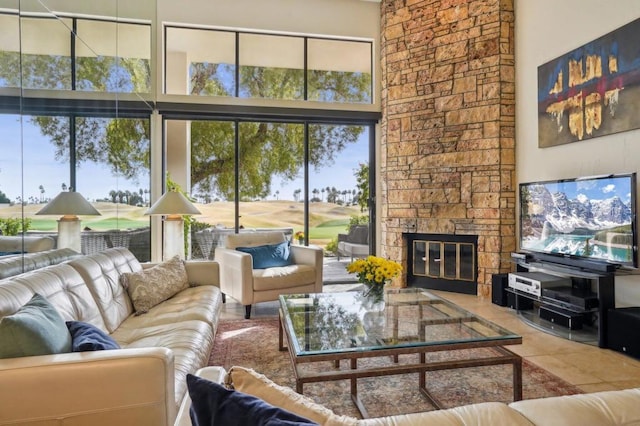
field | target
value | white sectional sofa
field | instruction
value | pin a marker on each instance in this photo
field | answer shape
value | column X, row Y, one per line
column 618, row 408
column 141, row 384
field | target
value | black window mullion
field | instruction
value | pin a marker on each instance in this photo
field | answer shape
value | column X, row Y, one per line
column 74, row 33
column 306, row 70
column 237, row 70
column 72, row 152
column 237, row 174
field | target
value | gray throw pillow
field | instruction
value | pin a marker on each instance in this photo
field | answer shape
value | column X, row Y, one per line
column 152, row 286
column 35, row 329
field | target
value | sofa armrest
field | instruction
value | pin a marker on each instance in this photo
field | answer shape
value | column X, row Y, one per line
column 236, row 274
column 343, row 237
column 203, row 272
column 310, row 255
column 199, row 272
column 124, row 386
column 307, row 255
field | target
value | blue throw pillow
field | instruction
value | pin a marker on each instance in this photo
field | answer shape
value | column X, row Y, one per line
column 213, row 404
column 270, row 255
column 35, row 329
column 86, row 337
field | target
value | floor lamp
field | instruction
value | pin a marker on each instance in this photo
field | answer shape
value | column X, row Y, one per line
column 173, row 205
column 69, row 205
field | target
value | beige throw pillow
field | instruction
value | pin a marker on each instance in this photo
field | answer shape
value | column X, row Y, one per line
column 151, row 286
column 249, row 381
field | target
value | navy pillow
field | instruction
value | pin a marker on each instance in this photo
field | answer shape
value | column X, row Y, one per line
column 9, row 253
column 86, row 337
column 212, row 404
column 270, row 255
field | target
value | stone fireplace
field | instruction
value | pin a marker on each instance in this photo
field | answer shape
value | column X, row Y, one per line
column 447, row 155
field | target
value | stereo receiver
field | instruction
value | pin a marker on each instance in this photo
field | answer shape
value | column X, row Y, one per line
column 534, row 282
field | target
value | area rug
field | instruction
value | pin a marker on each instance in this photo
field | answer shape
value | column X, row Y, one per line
column 253, row 343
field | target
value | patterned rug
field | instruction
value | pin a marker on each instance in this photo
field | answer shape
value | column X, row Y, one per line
column 254, row 344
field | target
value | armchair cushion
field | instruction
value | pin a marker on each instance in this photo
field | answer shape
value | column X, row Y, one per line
column 269, row 255
column 35, row 329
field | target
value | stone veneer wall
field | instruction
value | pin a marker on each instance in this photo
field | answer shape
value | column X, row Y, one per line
column 447, row 160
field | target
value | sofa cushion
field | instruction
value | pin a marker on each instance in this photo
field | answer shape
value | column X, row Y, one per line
column 35, row 329
column 61, row 285
column 253, row 383
column 283, row 277
column 212, row 403
column 151, row 286
column 27, row 244
column 86, row 337
column 102, row 271
column 202, row 303
column 269, row 255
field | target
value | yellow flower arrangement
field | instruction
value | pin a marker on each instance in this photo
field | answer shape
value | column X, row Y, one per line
column 299, row 236
column 374, row 271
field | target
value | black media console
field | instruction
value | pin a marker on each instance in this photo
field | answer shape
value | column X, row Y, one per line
column 567, row 301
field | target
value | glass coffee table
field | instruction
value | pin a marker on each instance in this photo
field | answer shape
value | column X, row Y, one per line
column 409, row 331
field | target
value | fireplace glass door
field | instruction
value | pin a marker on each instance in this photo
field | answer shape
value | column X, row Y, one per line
column 445, row 260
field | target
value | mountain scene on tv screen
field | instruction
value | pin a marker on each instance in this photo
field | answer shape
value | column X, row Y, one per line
column 552, row 222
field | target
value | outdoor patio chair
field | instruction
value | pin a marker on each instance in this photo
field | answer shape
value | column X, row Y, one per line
column 355, row 243
column 243, row 277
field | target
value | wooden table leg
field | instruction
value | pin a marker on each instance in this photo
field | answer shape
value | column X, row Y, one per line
column 517, row 379
column 281, row 346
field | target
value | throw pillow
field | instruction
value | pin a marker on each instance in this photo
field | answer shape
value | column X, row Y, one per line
column 212, row 404
column 152, row 286
column 270, row 255
column 253, row 383
column 87, row 337
column 35, row 329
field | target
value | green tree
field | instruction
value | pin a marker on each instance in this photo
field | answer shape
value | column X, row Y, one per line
column 362, row 182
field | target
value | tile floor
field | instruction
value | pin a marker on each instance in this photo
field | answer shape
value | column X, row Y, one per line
column 590, row 368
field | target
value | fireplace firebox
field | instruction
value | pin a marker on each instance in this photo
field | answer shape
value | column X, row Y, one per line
column 442, row 262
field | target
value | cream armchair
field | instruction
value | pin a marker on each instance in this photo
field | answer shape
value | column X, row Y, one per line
column 248, row 286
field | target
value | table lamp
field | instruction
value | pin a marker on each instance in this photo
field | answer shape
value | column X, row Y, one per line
column 69, row 204
column 172, row 205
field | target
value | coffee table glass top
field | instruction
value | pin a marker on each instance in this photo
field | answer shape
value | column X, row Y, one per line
column 325, row 323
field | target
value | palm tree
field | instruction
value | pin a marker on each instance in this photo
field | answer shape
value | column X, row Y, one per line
column 41, row 188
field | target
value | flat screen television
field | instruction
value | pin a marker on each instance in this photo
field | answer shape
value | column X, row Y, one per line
column 591, row 218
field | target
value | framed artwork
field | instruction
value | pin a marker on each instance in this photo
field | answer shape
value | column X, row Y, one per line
column 591, row 91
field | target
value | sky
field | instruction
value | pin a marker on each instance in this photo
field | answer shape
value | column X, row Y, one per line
column 95, row 180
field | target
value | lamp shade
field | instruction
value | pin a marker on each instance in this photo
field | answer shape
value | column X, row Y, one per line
column 172, row 203
column 69, row 204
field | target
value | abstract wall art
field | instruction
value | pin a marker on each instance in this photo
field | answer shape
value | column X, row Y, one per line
column 591, row 91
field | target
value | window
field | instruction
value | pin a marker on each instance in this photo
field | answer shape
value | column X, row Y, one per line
column 339, row 71
column 271, row 67
column 109, row 56
column 202, row 62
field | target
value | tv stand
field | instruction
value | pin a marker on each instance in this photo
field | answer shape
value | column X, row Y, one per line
column 577, row 313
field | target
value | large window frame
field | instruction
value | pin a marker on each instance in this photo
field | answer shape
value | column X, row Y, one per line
column 306, row 57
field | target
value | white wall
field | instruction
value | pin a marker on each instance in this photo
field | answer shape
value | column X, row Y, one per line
column 546, row 29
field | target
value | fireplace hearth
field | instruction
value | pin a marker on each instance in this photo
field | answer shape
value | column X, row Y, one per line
column 442, row 262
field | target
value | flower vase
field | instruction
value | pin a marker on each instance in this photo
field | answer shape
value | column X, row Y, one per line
column 374, row 296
